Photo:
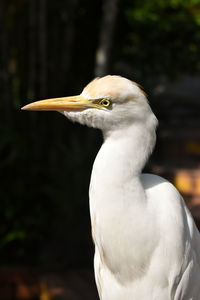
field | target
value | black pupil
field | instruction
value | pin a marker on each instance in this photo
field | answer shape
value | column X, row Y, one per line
column 105, row 102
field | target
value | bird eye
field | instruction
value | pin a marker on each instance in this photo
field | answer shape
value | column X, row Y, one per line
column 105, row 102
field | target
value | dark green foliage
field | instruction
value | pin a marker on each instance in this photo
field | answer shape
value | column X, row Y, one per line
column 159, row 37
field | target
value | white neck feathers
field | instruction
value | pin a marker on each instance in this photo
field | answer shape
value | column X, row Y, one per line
column 119, row 163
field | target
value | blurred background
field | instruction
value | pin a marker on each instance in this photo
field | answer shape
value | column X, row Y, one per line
column 54, row 48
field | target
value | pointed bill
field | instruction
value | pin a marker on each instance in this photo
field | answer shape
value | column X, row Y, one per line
column 74, row 103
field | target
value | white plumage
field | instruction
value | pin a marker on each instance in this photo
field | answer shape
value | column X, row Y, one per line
column 146, row 243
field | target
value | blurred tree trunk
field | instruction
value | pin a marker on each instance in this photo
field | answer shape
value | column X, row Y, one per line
column 32, row 50
column 5, row 86
column 68, row 40
column 42, row 47
column 106, row 37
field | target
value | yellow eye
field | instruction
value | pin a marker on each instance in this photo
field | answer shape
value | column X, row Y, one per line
column 105, row 102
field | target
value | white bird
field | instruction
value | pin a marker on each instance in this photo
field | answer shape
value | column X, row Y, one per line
column 147, row 246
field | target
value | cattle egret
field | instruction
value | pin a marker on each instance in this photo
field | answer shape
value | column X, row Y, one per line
column 146, row 243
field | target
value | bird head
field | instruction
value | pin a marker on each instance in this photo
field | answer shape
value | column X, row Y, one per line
column 105, row 103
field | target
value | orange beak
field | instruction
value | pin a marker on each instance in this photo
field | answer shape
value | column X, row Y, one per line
column 74, row 103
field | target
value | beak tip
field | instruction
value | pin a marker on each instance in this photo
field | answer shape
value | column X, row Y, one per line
column 24, row 107
column 27, row 107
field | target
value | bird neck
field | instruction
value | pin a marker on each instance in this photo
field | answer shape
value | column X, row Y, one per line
column 130, row 147
column 119, row 162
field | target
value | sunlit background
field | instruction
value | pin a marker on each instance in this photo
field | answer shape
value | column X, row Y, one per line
column 54, row 48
